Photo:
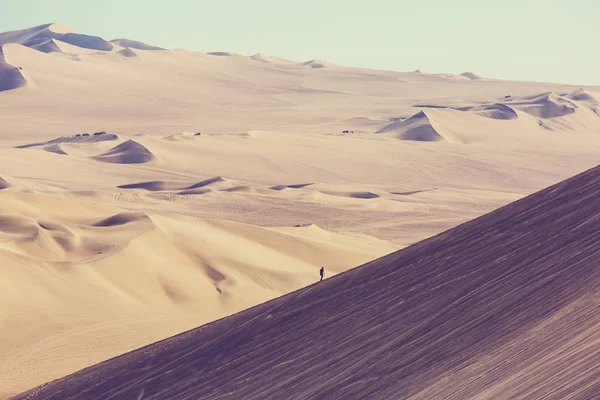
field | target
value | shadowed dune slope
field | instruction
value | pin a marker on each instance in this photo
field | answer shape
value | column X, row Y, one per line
column 11, row 77
column 500, row 307
column 418, row 127
column 129, row 152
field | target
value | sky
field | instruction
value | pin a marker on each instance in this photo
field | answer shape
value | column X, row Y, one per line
column 531, row 40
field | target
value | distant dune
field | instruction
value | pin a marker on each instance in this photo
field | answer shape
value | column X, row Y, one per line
column 470, row 75
column 546, row 105
column 581, row 95
column 315, row 64
column 456, row 316
column 127, row 53
column 134, row 44
column 270, row 60
column 129, row 152
column 221, row 54
column 41, row 36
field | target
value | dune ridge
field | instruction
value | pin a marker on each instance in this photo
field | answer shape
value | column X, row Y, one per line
column 42, row 36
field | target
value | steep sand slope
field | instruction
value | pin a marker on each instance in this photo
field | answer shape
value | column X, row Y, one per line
column 11, row 76
column 501, row 307
column 82, row 283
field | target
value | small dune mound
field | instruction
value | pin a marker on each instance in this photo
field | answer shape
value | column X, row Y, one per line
column 56, row 149
column 134, row 44
column 270, row 60
column 122, row 219
column 581, row 95
column 128, row 53
column 205, row 183
column 471, row 76
column 11, row 77
column 3, row 184
column 545, row 106
column 353, row 195
column 151, row 186
column 283, row 187
column 191, row 192
column 221, row 54
column 129, row 152
column 498, row 111
column 363, row 195
column 314, row 64
column 418, row 128
column 182, row 136
column 239, row 188
column 260, row 57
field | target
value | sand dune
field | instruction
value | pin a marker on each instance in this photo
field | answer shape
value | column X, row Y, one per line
column 317, row 64
column 221, row 54
column 156, row 186
column 418, row 128
column 129, row 152
column 11, row 77
column 99, row 258
column 48, row 46
column 498, row 111
column 128, row 278
column 581, row 95
column 470, row 75
column 127, row 53
column 3, row 184
column 547, row 105
column 42, row 36
column 78, row 138
column 134, row 44
column 270, row 60
column 433, row 320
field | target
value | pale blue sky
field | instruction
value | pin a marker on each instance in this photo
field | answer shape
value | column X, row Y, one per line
column 541, row 40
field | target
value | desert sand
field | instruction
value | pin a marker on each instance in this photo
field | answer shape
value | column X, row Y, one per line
column 501, row 307
column 146, row 191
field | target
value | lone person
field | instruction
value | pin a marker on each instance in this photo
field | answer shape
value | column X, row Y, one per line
column 322, row 272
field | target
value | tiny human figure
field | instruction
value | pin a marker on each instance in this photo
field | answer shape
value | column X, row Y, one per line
column 322, row 272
